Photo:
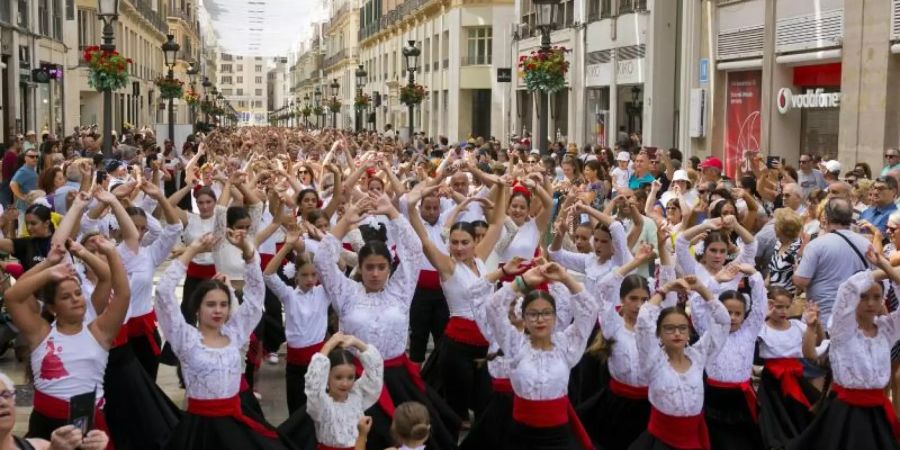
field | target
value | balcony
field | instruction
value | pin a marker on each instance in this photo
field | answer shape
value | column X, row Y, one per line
column 476, row 60
column 186, row 17
column 630, row 6
column 335, row 58
column 143, row 9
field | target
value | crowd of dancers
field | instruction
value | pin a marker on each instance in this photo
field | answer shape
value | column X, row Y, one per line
column 586, row 299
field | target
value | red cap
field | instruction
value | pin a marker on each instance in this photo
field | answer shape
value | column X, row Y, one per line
column 713, row 162
column 522, row 189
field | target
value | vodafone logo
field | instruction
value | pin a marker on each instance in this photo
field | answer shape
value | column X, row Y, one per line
column 786, row 100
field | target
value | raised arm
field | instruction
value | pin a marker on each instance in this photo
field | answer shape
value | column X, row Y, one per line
column 130, row 235
column 495, row 228
column 107, row 325
column 441, row 261
column 100, row 267
column 248, row 313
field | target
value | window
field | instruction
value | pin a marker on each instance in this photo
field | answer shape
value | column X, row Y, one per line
column 240, row 58
column 5, row 11
column 57, row 19
column 259, row 80
column 259, row 93
column 226, row 91
column 225, row 68
column 240, row 80
column 258, row 68
column 627, row 6
column 226, row 57
column 240, row 91
column 240, row 67
column 257, row 103
column 22, row 19
column 226, row 79
column 87, row 31
column 480, row 46
column 599, row 9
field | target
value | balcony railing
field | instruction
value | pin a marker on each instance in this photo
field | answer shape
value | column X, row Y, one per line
column 476, row 60
column 629, row 6
column 390, row 18
column 143, row 8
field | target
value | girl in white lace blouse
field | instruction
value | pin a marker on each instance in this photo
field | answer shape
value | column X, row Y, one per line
column 857, row 414
column 210, row 355
column 336, row 399
column 675, row 369
column 376, row 310
column 541, row 358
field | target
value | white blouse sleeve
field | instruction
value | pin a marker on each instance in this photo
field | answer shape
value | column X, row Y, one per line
column 843, row 313
column 316, row 385
column 890, row 324
column 666, row 274
column 509, row 233
column 759, row 305
column 340, row 289
column 610, row 320
column 649, row 352
column 683, row 254
column 369, row 386
column 584, row 307
column 248, row 313
column 747, row 254
column 714, row 338
column 256, row 212
column 699, row 313
column 479, row 293
column 162, row 247
column 505, row 334
column 402, row 283
column 168, row 310
column 279, row 288
column 220, row 224
column 570, row 260
column 621, row 253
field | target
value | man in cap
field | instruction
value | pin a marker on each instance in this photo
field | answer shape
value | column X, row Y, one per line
column 30, row 140
column 808, row 176
column 711, row 170
column 832, row 172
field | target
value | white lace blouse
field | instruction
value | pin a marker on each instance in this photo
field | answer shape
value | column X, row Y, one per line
column 336, row 421
column 210, row 373
column 690, row 266
column 734, row 363
column 782, row 343
column 499, row 366
column 588, row 264
column 538, row 374
column 377, row 318
column 671, row 392
column 858, row 361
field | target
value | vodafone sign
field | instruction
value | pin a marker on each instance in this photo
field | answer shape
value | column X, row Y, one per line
column 787, row 100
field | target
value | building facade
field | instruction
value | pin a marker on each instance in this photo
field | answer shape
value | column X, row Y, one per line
column 305, row 75
column 242, row 81
column 181, row 16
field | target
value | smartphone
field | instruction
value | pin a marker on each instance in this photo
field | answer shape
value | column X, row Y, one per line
column 771, row 160
column 101, row 176
column 81, row 411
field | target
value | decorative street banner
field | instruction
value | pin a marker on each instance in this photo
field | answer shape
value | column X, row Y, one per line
column 742, row 123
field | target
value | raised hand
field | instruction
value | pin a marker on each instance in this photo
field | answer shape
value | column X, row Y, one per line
column 66, row 438
column 105, row 196
column 811, row 313
column 728, row 273
column 62, row 272
column 56, row 254
column 644, row 253
column 554, row 272
column 150, row 189
column 382, row 205
column 206, row 243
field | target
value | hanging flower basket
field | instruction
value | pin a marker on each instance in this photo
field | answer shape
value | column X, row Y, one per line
column 334, row 105
column 192, row 98
column 412, row 95
column 107, row 70
column 545, row 70
column 173, row 88
column 318, row 111
column 361, row 102
column 305, row 112
column 206, row 107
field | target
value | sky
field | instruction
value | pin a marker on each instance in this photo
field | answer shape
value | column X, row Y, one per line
column 262, row 27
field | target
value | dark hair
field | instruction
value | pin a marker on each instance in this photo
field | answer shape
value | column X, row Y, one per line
column 205, row 287
column 47, row 178
column 732, row 294
column 315, row 214
column 720, row 205
column 341, row 356
column 601, row 348
column 134, row 211
column 775, row 291
column 374, row 248
column 538, row 294
column 466, row 227
column 666, row 312
column 302, row 193
column 632, row 282
column 478, row 224
column 715, row 236
column 235, row 213
column 206, row 190
column 49, row 290
column 370, row 233
column 412, row 422
column 595, row 166
column 838, row 211
column 520, row 194
column 41, row 212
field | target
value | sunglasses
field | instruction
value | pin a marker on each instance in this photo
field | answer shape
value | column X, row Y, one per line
column 890, row 156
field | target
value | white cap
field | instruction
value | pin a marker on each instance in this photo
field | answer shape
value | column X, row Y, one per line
column 623, row 156
column 681, row 175
column 832, row 166
column 535, row 151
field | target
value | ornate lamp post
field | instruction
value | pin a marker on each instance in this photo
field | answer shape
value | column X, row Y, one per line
column 108, row 12
column 411, row 53
column 546, row 21
column 206, row 85
column 170, row 52
column 360, row 81
column 306, row 107
column 334, row 92
column 220, row 105
column 317, row 95
column 192, row 72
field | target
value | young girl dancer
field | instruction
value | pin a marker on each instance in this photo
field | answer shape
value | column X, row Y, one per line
column 466, row 386
column 336, row 398
column 675, row 370
column 305, row 311
column 730, row 406
column 210, row 355
column 541, row 358
column 377, row 311
column 785, row 396
column 857, row 414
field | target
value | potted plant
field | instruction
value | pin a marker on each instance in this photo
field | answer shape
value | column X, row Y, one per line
column 107, row 70
column 334, row 105
column 169, row 88
column 545, row 70
column 361, row 102
column 412, row 94
column 191, row 97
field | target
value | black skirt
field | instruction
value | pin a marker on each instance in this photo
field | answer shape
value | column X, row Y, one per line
column 299, row 429
column 647, row 441
column 140, row 415
column 782, row 418
column 523, row 437
column 250, row 405
column 143, row 351
column 491, row 428
column 196, row 432
column 295, row 384
column 729, row 420
column 444, row 423
column 840, row 426
column 588, row 377
column 612, row 421
column 466, row 381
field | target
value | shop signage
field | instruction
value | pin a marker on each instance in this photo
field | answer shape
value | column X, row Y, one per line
column 504, row 75
column 818, row 98
column 630, row 71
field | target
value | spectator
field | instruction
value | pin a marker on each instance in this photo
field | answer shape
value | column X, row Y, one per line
column 711, row 169
column 832, row 258
column 49, row 181
column 808, row 177
column 891, row 161
column 641, row 176
column 878, row 213
column 74, row 176
column 787, row 249
column 24, row 181
column 30, row 140
column 831, row 172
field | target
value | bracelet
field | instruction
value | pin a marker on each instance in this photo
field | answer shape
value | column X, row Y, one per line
column 503, row 269
column 523, row 287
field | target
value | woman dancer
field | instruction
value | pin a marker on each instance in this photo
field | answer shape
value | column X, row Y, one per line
column 466, row 385
column 529, row 228
column 210, row 355
column 675, row 369
column 377, row 311
column 541, row 358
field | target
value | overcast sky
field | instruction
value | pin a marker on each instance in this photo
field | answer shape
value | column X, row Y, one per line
column 262, row 27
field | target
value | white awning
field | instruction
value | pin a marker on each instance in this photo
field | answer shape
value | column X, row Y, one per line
column 262, row 27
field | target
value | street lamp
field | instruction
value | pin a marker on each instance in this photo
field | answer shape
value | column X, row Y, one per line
column 170, row 52
column 306, row 107
column 206, row 85
column 192, row 72
column 317, row 95
column 334, row 92
column 108, row 12
column 291, row 119
column 634, row 109
column 411, row 53
column 546, row 21
column 360, row 81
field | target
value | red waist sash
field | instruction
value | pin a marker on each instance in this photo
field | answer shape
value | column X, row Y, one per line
column 869, row 398
column 205, row 271
column 121, row 338
column 465, row 331
column 502, row 385
column 58, row 409
column 682, row 433
column 265, row 259
column 429, row 279
column 144, row 326
column 744, row 386
column 626, row 390
column 385, row 401
column 550, row 413
column 301, row 356
column 227, row 407
column 328, row 447
column 788, row 371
